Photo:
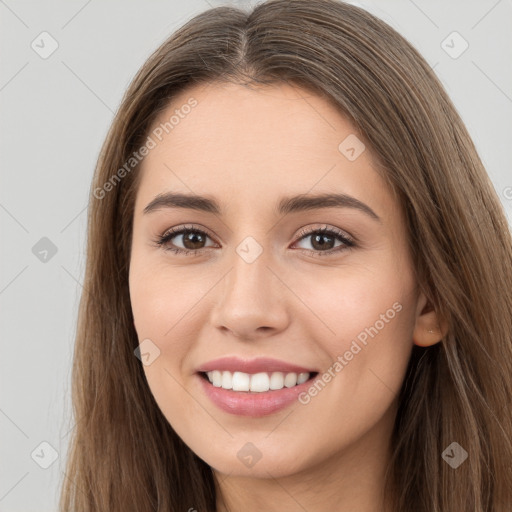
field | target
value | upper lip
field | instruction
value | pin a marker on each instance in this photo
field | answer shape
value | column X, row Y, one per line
column 257, row 365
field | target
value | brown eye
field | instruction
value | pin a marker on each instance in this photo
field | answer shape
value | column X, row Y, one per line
column 323, row 241
column 192, row 239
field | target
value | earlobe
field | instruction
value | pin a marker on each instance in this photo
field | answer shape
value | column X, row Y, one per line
column 429, row 328
column 427, row 337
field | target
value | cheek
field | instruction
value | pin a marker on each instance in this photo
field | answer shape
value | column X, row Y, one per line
column 160, row 306
column 157, row 306
column 162, row 299
column 349, row 303
column 368, row 315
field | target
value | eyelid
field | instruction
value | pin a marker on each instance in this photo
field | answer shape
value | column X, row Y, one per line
column 302, row 232
column 328, row 229
column 187, row 227
column 348, row 241
column 161, row 240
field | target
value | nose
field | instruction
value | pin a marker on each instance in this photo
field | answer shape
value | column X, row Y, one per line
column 252, row 300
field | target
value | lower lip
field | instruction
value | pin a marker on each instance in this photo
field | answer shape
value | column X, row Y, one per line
column 253, row 404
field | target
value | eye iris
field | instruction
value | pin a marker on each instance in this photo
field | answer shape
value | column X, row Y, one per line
column 321, row 245
column 192, row 240
column 193, row 237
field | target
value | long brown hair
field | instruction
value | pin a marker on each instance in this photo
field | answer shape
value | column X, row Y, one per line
column 123, row 454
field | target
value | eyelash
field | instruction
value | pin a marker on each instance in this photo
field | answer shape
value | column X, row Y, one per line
column 163, row 240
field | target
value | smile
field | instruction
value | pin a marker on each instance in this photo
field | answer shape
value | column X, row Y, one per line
column 256, row 383
column 256, row 387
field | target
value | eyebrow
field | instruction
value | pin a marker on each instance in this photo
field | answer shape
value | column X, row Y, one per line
column 286, row 205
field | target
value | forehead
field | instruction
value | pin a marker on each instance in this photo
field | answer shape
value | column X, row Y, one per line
column 253, row 145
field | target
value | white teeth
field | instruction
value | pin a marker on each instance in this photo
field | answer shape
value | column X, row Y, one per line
column 290, row 380
column 227, row 380
column 241, row 381
column 277, row 380
column 216, row 378
column 260, row 382
column 303, row 377
column 256, row 383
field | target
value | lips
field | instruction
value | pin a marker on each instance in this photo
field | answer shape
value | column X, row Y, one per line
column 245, row 402
column 258, row 365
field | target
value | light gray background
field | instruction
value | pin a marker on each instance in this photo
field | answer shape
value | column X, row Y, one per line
column 55, row 113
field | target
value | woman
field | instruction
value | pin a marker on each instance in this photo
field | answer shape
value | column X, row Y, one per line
column 298, row 284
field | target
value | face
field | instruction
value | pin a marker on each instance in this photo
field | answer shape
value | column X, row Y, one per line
column 267, row 291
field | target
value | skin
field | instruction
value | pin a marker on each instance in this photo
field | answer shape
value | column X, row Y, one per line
column 248, row 147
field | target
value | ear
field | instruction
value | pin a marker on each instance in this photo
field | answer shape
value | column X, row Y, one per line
column 429, row 328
